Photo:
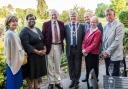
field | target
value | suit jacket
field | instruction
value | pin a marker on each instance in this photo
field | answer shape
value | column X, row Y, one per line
column 91, row 43
column 113, row 40
column 80, row 36
column 87, row 25
column 47, row 32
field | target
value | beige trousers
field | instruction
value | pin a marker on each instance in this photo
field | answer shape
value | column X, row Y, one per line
column 54, row 59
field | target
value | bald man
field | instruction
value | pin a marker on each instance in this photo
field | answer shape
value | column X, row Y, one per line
column 53, row 31
column 74, row 34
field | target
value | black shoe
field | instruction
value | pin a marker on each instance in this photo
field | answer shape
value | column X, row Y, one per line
column 76, row 85
column 58, row 86
column 72, row 84
column 84, row 80
column 50, row 86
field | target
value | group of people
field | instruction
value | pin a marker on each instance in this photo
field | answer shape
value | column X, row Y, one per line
column 45, row 46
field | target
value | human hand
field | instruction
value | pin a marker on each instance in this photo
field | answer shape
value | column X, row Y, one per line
column 105, row 54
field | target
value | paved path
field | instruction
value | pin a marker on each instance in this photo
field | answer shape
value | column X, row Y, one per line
column 66, row 81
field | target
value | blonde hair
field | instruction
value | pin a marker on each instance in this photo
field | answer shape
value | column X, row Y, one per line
column 8, row 20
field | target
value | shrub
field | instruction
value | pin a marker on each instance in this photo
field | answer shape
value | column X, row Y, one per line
column 123, row 17
column 125, row 43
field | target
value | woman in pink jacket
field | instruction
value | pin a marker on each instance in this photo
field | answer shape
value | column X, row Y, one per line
column 91, row 47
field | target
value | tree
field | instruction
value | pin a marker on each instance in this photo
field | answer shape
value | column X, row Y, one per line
column 42, row 9
column 64, row 16
column 81, row 13
column 101, row 7
column 3, row 12
column 118, row 5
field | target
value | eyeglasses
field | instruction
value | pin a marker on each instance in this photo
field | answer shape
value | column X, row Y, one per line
column 13, row 20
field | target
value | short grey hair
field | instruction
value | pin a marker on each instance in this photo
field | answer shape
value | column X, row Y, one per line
column 72, row 13
column 53, row 11
column 90, row 14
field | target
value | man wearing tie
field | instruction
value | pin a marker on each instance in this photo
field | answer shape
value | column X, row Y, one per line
column 113, row 42
column 53, row 31
column 74, row 34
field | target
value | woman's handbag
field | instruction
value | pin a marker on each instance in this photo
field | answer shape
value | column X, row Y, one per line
column 25, row 59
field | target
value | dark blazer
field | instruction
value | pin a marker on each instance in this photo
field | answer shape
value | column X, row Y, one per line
column 99, row 25
column 80, row 36
column 47, row 32
column 30, row 40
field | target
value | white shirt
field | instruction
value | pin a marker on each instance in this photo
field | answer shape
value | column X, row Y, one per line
column 58, row 30
column 71, row 28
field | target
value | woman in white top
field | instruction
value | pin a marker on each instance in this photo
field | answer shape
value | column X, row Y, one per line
column 14, row 54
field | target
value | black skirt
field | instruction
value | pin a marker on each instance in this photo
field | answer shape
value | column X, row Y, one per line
column 35, row 68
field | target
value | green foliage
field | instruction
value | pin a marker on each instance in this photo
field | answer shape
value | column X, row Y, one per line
column 3, row 12
column 42, row 9
column 64, row 62
column 2, row 66
column 2, row 73
column 125, row 41
column 118, row 5
column 123, row 17
column 80, row 11
column 101, row 7
column 64, row 16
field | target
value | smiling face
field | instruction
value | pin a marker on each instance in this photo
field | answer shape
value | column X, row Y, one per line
column 94, row 22
column 73, row 19
column 54, row 15
column 73, row 16
column 110, row 15
column 13, row 24
column 31, row 21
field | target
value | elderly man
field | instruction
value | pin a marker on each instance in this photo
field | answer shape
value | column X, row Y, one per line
column 53, row 31
column 74, row 34
column 112, row 43
column 87, row 17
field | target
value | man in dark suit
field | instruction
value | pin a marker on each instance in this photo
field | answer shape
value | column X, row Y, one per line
column 53, row 31
column 87, row 17
column 74, row 34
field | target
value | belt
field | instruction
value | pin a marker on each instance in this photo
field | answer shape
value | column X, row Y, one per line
column 56, row 43
column 73, row 46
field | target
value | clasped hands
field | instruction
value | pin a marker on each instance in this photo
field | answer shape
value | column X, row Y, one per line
column 84, row 52
column 105, row 54
column 40, row 52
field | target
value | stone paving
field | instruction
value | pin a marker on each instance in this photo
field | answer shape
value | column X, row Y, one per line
column 66, row 81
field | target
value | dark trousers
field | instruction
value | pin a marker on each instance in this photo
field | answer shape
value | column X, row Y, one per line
column 92, row 62
column 116, row 69
column 74, row 64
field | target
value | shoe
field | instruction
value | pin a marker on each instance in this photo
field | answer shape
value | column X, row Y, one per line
column 50, row 86
column 84, row 80
column 76, row 85
column 72, row 84
column 58, row 86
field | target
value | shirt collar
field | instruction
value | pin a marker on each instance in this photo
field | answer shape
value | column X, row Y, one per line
column 111, row 23
column 53, row 21
column 93, row 30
